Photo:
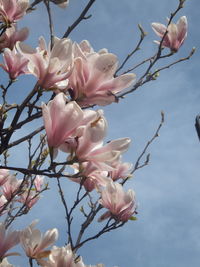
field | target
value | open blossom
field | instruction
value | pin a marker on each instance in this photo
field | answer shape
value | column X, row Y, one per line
column 12, row 10
column 91, row 134
column 60, row 119
column 92, row 80
column 90, row 177
column 176, row 33
column 7, row 241
column 121, row 204
column 87, row 142
column 93, row 127
column 103, row 156
column 5, row 263
column 51, row 67
column 15, row 63
column 62, row 257
column 9, row 38
column 35, row 244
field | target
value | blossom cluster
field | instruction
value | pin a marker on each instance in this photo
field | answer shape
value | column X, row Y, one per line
column 86, row 76
column 13, row 190
column 38, row 246
column 78, row 78
column 35, row 246
column 80, row 133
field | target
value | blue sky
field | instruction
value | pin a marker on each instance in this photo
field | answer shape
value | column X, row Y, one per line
column 167, row 232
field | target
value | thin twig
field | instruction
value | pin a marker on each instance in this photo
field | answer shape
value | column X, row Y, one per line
column 25, row 138
column 137, row 164
column 4, row 91
column 44, row 172
column 107, row 228
column 79, row 19
column 175, row 62
column 145, row 163
column 152, row 76
column 142, row 36
column 154, row 60
column 16, row 118
column 47, row 4
column 67, row 215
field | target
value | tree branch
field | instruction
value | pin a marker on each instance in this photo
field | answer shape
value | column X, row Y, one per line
column 79, row 19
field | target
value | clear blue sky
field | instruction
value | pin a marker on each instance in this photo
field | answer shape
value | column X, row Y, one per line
column 167, row 232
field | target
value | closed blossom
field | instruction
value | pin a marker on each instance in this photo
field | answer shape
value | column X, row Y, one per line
column 14, row 63
column 38, row 183
column 60, row 119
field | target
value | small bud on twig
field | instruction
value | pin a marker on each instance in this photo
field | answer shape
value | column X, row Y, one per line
column 143, row 33
column 181, row 3
column 192, row 52
column 162, row 116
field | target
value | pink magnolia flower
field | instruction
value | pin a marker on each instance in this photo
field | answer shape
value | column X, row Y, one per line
column 10, row 188
column 15, row 63
column 92, row 80
column 103, row 156
column 9, row 38
column 5, row 263
column 38, row 183
column 29, row 198
column 3, row 201
column 60, row 119
column 4, row 175
column 84, row 48
column 176, row 33
column 93, row 126
column 12, row 10
column 35, row 244
column 121, row 170
column 62, row 257
column 89, row 176
column 7, row 241
column 51, row 67
column 121, row 205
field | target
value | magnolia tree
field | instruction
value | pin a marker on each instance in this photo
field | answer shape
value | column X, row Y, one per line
column 73, row 84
